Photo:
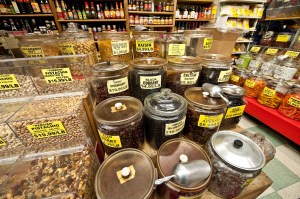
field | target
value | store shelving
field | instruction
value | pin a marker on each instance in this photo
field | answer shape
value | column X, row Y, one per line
column 244, row 17
column 153, row 26
column 244, row 1
column 192, row 19
column 27, row 15
column 195, row 1
column 91, row 20
column 150, row 13
column 282, row 18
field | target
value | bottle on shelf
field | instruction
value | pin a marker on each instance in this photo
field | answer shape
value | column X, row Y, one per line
column 11, row 8
column 43, row 7
column 29, row 30
column 93, row 11
column 129, row 5
column 133, row 5
column 192, row 15
column 28, row 6
column 64, row 10
column 106, row 12
column 118, row 14
column 12, row 25
column 112, row 12
column 75, row 15
column 100, row 11
column 35, row 27
column 70, row 13
column 59, row 12
column 23, row 26
column 53, row 26
column 87, row 10
column 122, row 14
column 48, row 6
column 21, row 6
column 35, row 6
column 84, row 16
column 185, row 13
column 159, row 7
column 79, row 13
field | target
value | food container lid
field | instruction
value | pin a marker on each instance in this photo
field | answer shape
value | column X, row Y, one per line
column 197, row 97
column 238, row 150
column 105, row 68
column 148, row 63
column 74, row 32
column 127, row 173
column 118, row 110
column 165, row 103
column 233, row 90
column 147, row 32
column 185, row 61
column 216, row 58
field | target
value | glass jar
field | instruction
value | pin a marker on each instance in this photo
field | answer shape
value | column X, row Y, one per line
column 238, row 77
column 235, row 106
column 286, row 70
column 254, row 85
column 216, row 69
column 273, row 93
column 74, row 41
column 284, row 39
column 268, row 67
column 244, row 60
column 236, row 161
column 147, row 44
column 175, row 44
column 183, row 73
column 198, row 42
column 290, row 106
column 268, row 38
column 204, row 115
column 129, row 172
column 168, row 157
column 39, row 46
column 165, row 115
column 110, row 79
column 147, row 76
column 114, row 46
column 120, row 123
column 255, row 63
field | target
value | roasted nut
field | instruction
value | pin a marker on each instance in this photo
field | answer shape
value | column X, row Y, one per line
column 12, row 145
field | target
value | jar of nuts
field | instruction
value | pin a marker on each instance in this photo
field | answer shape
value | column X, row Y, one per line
column 110, row 79
column 175, row 44
column 114, row 46
column 120, row 123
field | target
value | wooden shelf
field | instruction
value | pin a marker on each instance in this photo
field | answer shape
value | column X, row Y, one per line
column 195, row 1
column 90, row 20
column 282, row 19
column 192, row 19
column 28, row 15
column 150, row 13
column 153, row 26
column 244, row 17
column 243, row 1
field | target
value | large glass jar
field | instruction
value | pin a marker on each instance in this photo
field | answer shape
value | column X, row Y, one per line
column 120, row 123
column 175, row 44
column 128, row 173
column 147, row 44
column 286, row 70
column 236, row 161
column 198, row 42
column 216, row 69
column 255, row 63
column 290, row 106
column 238, row 77
column 244, row 60
column 110, row 79
column 114, row 46
column 183, row 73
column 74, row 41
column 147, row 76
column 204, row 115
column 284, row 39
column 165, row 115
column 268, row 67
column 235, row 106
column 254, row 85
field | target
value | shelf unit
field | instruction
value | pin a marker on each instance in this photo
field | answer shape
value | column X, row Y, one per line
column 150, row 13
column 26, row 15
column 90, row 20
column 192, row 19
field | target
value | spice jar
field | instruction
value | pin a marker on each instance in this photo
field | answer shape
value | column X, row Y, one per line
column 216, row 69
column 114, row 46
column 244, row 60
column 183, row 73
column 283, row 39
column 236, row 161
column 254, row 85
column 204, row 115
column 147, row 76
column 168, row 156
column 129, row 172
column 198, row 42
column 147, row 43
column 290, row 106
column 235, row 106
column 165, row 114
column 120, row 123
column 238, row 77
column 110, row 79
column 175, row 44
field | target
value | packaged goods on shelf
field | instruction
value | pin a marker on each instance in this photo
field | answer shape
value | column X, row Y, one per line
column 286, row 67
column 283, row 9
column 198, row 42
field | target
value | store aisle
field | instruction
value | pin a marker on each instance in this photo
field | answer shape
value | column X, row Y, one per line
column 284, row 169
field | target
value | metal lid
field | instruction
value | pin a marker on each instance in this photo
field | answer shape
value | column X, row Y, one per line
column 185, row 61
column 118, row 110
column 165, row 103
column 147, row 32
column 202, row 99
column 131, row 167
column 105, row 68
column 148, row 63
column 238, row 150
column 233, row 90
column 216, row 58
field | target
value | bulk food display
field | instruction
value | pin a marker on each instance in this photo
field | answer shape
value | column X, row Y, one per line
column 284, row 39
column 254, row 85
column 9, row 143
column 290, row 106
column 174, row 44
column 244, row 60
column 287, row 68
column 198, row 42
column 238, row 76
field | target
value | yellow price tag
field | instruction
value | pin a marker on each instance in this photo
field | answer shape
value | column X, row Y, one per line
column 33, row 51
column 235, row 111
column 207, row 43
column 210, row 121
column 234, row 78
column 283, row 38
column 269, row 92
column 144, row 45
column 47, row 129
column 2, row 142
column 112, row 141
column 9, row 82
column 249, row 83
column 271, row 51
column 57, row 75
column 298, row 38
column 292, row 54
column 120, row 47
column 255, row 49
column 176, row 49
column 67, row 49
column 294, row 102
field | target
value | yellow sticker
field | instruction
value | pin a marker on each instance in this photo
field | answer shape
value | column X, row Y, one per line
column 33, row 51
column 117, row 85
column 247, row 182
column 112, row 141
column 57, row 75
column 255, row 49
column 249, row 83
column 9, row 82
column 207, row 43
column 47, row 129
column 174, row 128
column 130, row 177
column 189, row 78
column 176, row 49
column 233, row 12
column 67, row 49
column 234, row 78
column 214, row 10
column 2, row 142
column 292, row 54
column 298, row 38
column 235, row 111
column 294, row 102
column 269, row 92
column 271, row 51
column 120, row 47
column 260, row 12
column 150, row 82
column 210, row 121
column 283, row 38
column 144, row 46
column 224, row 76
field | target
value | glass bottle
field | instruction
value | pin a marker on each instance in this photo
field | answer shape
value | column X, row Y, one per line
column 21, row 6
column 106, row 12
column 59, row 12
column 84, row 16
column 112, row 12
column 28, row 6
column 70, row 14
column 43, row 7
column 93, row 11
column 75, row 15
column 87, row 10
column 79, row 13
column 122, row 14
column 35, row 6
column 185, row 13
column 118, row 14
column 47, row 5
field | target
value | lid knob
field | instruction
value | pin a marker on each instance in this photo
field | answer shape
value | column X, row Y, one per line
column 205, row 94
column 118, row 105
column 237, row 144
column 125, row 172
column 165, row 91
column 183, row 158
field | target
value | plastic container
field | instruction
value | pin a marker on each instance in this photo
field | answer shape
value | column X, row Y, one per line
column 120, row 123
column 175, row 44
column 114, row 46
column 254, row 85
column 5, row 169
column 9, row 107
column 204, row 115
column 110, row 79
column 167, row 158
column 236, row 161
column 290, row 106
column 284, row 39
column 183, row 73
column 129, row 172
column 147, row 76
column 199, row 42
column 165, row 115
column 238, row 77
column 244, row 60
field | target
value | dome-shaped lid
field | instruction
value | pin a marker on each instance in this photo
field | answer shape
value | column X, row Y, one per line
column 74, row 32
column 106, row 68
column 233, row 90
column 148, row 63
column 185, row 61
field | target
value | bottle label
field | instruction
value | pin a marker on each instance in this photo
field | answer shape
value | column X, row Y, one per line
column 207, row 43
column 47, row 129
column 110, row 141
column 35, row 7
column 9, row 82
column 57, row 75
column 144, row 46
column 117, row 85
column 33, row 51
column 292, row 54
column 176, row 49
column 235, row 111
column 210, row 121
column 189, row 78
column 269, row 92
column 234, row 78
column 120, row 47
column 174, row 128
column 271, row 51
column 2, row 142
column 294, row 102
column 249, row 83
column 224, row 76
column 283, row 38
column 67, row 49
column 150, row 82
column 255, row 49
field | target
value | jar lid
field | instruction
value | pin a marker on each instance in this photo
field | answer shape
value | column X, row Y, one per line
column 202, row 99
column 118, row 110
column 234, row 90
column 165, row 103
column 104, row 68
column 74, row 32
column 183, row 61
column 127, row 173
column 216, row 58
column 238, row 150
column 147, row 32
column 148, row 63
